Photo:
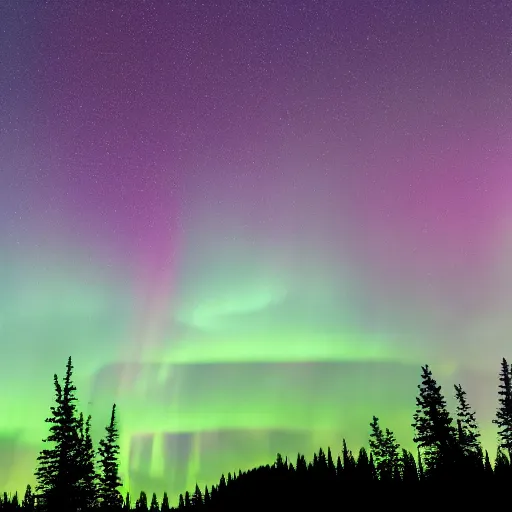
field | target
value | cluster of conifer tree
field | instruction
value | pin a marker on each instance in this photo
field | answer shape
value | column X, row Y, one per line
column 450, row 463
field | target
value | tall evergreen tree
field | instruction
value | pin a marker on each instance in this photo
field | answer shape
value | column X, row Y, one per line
column 501, row 467
column 15, row 504
column 364, row 467
column 197, row 497
column 154, row 506
column 278, row 464
column 85, row 457
column 28, row 502
column 207, row 498
column 58, row 472
column 222, row 484
column 433, row 427
column 109, row 481
column 301, row 466
column 385, row 451
column 488, row 471
column 468, row 434
column 127, row 504
column 409, row 468
column 349, row 464
column 141, row 505
column 165, row 504
column 504, row 413
column 331, row 468
column 339, row 468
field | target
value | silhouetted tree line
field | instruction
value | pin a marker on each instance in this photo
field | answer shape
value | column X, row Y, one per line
column 450, row 467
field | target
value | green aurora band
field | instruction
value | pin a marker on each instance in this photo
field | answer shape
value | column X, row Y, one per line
column 236, row 380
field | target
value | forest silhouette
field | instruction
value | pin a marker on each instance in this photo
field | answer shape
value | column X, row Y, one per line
column 449, row 468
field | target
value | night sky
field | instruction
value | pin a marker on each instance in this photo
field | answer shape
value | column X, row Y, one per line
column 250, row 222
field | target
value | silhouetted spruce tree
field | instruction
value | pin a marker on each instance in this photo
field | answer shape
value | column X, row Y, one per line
column 181, row 502
column 301, row 466
column 154, row 506
column 222, row 484
column 197, row 497
column 392, row 451
column 141, row 505
column 165, row 503
column 504, row 413
column 321, row 464
column 330, row 463
column 377, row 449
column 58, row 472
column 14, row 505
column 433, row 427
column 127, row 504
column 349, row 464
column 468, row 435
column 385, row 451
column 188, row 500
column 28, row 502
column 109, row 481
column 330, row 479
column 207, row 499
column 278, row 464
column 501, row 467
column 488, row 471
column 364, row 467
column 409, row 469
column 85, row 456
column 339, row 468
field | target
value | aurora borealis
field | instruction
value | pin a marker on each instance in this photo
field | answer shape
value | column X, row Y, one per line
column 250, row 222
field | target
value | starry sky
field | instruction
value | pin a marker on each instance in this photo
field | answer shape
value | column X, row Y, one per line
column 250, row 222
